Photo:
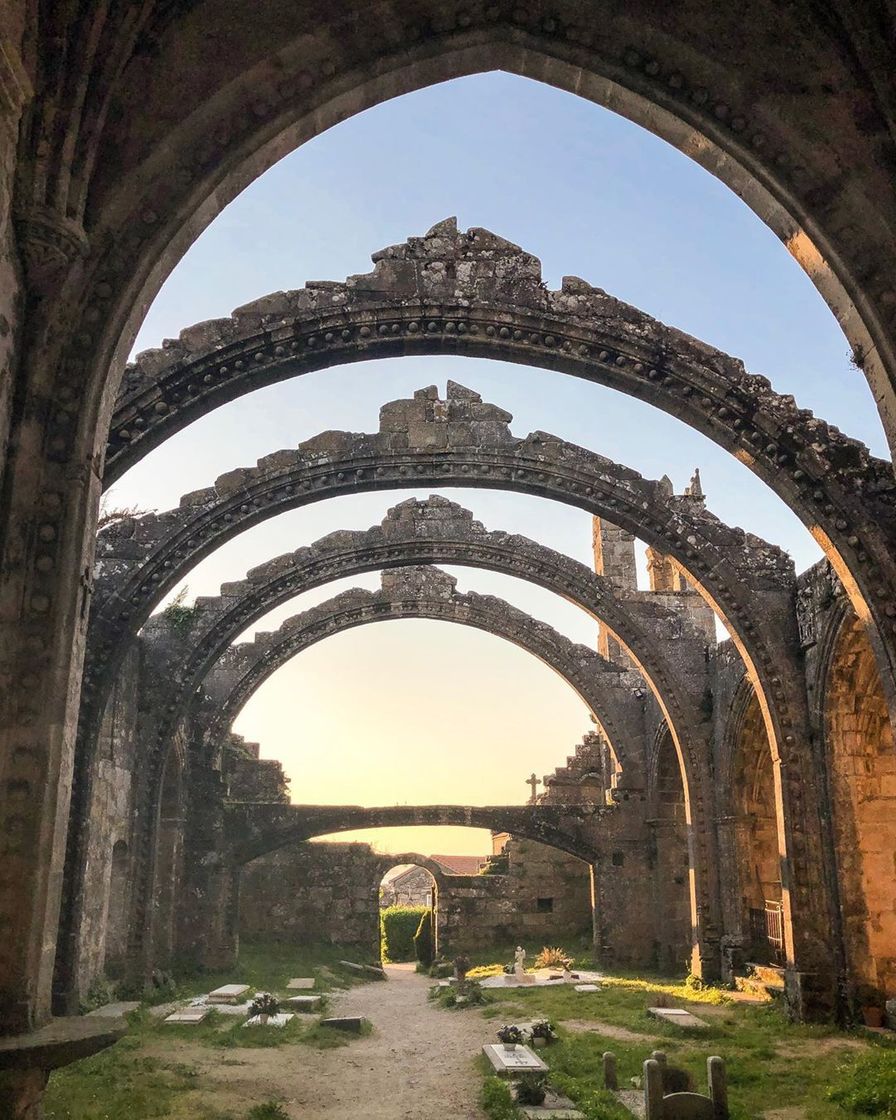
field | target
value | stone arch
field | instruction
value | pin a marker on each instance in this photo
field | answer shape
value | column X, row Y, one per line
column 140, row 559
column 425, row 593
column 437, row 877
column 435, row 531
column 750, row 812
column 117, row 910
column 672, row 903
column 252, row 829
column 418, row 860
column 861, row 762
column 491, row 302
column 196, row 168
column 98, row 209
column 464, row 442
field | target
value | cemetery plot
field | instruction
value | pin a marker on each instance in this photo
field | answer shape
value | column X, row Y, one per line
column 511, row 1063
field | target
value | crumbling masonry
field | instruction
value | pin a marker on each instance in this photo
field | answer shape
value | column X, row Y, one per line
column 736, row 798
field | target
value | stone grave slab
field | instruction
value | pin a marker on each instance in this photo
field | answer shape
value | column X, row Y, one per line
column 163, row 1010
column 190, row 1015
column 114, row 1010
column 234, row 1009
column 278, row 1020
column 587, row 987
column 532, row 1112
column 351, row 1024
column 300, row 983
column 511, row 1063
column 633, row 1100
column 307, row 1004
column 227, row 993
column 677, row 1016
column 365, row 969
column 555, row 1105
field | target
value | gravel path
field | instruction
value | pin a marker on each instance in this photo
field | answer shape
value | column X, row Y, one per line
column 417, row 1064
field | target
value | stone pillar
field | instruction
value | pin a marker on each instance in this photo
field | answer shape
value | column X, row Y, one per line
column 614, row 559
column 597, row 932
column 208, row 908
column 731, row 910
column 21, row 1092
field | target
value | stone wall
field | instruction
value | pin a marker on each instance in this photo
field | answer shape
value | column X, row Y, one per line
column 324, row 892
column 14, row 85
column 314, row 893
column 109, row 839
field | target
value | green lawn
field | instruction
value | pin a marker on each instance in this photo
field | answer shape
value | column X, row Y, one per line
column 127, row 1081
column 771, row 1063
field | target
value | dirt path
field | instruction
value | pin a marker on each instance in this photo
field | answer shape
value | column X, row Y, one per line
column 418, row 1063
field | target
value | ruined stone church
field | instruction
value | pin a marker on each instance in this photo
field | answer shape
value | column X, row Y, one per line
column 735, row 800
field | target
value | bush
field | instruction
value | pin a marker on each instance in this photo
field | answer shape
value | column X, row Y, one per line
column 553, row 958
column 868, row 1085
column 398, row 924
column 269, row 1110
column 497, row 1101
column 423, row 940
column 531, row 1088
column 264, row 1003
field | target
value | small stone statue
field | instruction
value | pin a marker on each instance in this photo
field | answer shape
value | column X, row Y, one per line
column 519, row 962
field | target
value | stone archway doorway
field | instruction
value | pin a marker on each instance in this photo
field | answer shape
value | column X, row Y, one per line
column 409, row 887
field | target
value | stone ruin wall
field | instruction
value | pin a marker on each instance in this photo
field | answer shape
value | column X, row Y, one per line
column 314, row 892
column 329, row 892
column 851, row 721
column 633, row 883
column 110, row 840
column 15, row 88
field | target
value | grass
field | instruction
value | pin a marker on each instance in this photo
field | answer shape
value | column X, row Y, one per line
column 771, row 1062
column 129, row 1079
column 268, row 1110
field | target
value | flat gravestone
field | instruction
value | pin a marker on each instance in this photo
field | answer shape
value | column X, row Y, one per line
column 114, row 1010
column 300, row 983
column 234, row 1009
column 510, row 1063
column 229, row 993
column 555, row 1105
column 278, row 1020
column 351, row 1024
column 587, row 987
column 307, row 1004
column 633, row 1100
column 677, row 1016
column 163, row 1010
column 534, row 1111
column 365, row 969
column 189, row 1015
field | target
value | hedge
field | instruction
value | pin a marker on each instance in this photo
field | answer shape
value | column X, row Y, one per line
column 423, row 940
column 398, row 924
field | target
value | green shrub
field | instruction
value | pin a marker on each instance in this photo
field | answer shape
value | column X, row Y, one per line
column 269, row 1110
column 553, row 958
column 497, row 1100
column 867, row 1085
column 423, row 940
column 398, row 924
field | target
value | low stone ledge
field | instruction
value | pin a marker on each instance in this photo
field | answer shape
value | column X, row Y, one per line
column 61, row 1042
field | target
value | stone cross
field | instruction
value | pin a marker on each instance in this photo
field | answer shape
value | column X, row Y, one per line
column 533, row 782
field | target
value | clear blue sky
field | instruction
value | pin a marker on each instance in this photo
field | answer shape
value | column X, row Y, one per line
column 592, row 195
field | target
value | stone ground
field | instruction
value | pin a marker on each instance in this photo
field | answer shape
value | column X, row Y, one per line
column 418, row 1063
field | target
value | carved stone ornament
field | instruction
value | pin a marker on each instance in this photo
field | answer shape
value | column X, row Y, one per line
column 48, row 243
